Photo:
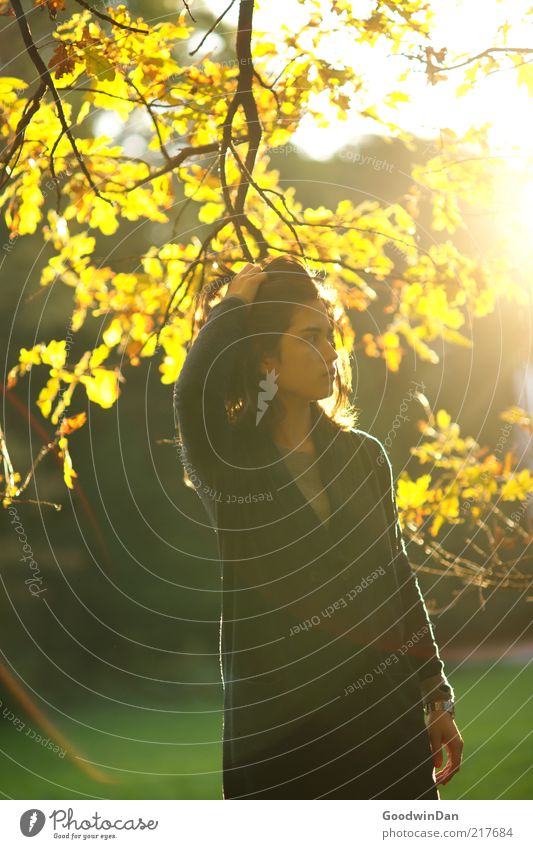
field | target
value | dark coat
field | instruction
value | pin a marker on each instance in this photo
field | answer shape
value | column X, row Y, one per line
column 323, row 629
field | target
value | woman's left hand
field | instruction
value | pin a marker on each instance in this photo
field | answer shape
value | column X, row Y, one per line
column 443, row 731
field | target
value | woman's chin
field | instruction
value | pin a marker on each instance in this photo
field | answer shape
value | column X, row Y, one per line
column 325, row 393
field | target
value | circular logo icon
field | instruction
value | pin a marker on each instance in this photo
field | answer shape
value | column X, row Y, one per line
column 32, row 822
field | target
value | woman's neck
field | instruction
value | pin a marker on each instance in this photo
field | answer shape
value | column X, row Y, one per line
column 294, row 431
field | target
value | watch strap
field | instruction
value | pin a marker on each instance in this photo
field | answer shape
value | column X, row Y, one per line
column 446, row 705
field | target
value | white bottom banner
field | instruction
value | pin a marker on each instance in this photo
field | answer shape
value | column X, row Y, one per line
column 312, row 823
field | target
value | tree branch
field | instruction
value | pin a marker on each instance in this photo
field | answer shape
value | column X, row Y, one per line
column 243, row 97
column 30, row 109
column 110, row 20
column 46, row 78
column 482, row 55
column 176, row 160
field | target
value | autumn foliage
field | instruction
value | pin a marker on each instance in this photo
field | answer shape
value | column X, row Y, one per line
column 211, row 125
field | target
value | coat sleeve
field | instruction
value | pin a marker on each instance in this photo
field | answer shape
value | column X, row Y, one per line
column 424, row 652
column 200, row 390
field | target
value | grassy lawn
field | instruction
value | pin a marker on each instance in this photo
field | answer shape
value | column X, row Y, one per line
column 160, row 755
column 494, row 712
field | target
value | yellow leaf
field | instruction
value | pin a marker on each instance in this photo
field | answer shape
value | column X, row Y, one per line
column 32, row 200
column 73, row 423
column 318, row 216
column 393, row 358
column 55, row 354
column 101, row 387
column 392, row 352
column 98, row 356
column 449, row 507
column 412, row 494
column 443, row 419
column 518, row 487
column 98, row 65
column 396, row 97
column 171, row 366
column 31, row 356
column 524, row 76
column 68, row 471
column 84, row 111
column 113, row 334
column 463, row 89
column 47, row 395
column 209, row 212
column 103, row 216
column 8, row 84
column 435, row 525
column 390, row 339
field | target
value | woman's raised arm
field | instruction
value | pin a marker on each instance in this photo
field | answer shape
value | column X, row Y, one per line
column 200, row 390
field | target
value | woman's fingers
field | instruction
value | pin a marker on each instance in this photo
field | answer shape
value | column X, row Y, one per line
column 444, row 732
column 246, row 282
column 250, row 268
column 245, row 271
column 454, row 749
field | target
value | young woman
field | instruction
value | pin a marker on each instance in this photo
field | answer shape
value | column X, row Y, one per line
column 333, row 683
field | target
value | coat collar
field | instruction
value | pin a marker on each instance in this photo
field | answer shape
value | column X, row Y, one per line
column 334, row 449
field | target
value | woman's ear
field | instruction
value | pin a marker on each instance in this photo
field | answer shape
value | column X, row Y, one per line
column 266, row 364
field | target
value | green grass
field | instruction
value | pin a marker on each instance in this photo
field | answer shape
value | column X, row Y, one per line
column 494, row 710
column 145, row 754
column 159, row 755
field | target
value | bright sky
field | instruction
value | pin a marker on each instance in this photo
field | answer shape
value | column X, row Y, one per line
column 464, row 26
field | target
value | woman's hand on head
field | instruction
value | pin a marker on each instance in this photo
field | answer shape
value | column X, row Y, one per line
column 246, row 282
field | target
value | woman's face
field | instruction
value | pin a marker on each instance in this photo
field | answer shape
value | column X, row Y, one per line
column 305, row 364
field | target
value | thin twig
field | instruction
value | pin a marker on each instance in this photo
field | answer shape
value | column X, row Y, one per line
column 31, row 107
column 213, row 27
column 487, row 52
column 110, row 20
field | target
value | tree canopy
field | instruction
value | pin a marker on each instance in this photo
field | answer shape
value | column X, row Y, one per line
column 211, row 124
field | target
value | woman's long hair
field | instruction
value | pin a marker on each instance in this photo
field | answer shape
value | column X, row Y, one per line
column 289, row 284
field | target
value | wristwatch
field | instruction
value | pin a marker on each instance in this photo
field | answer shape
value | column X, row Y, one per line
column 447, row 704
